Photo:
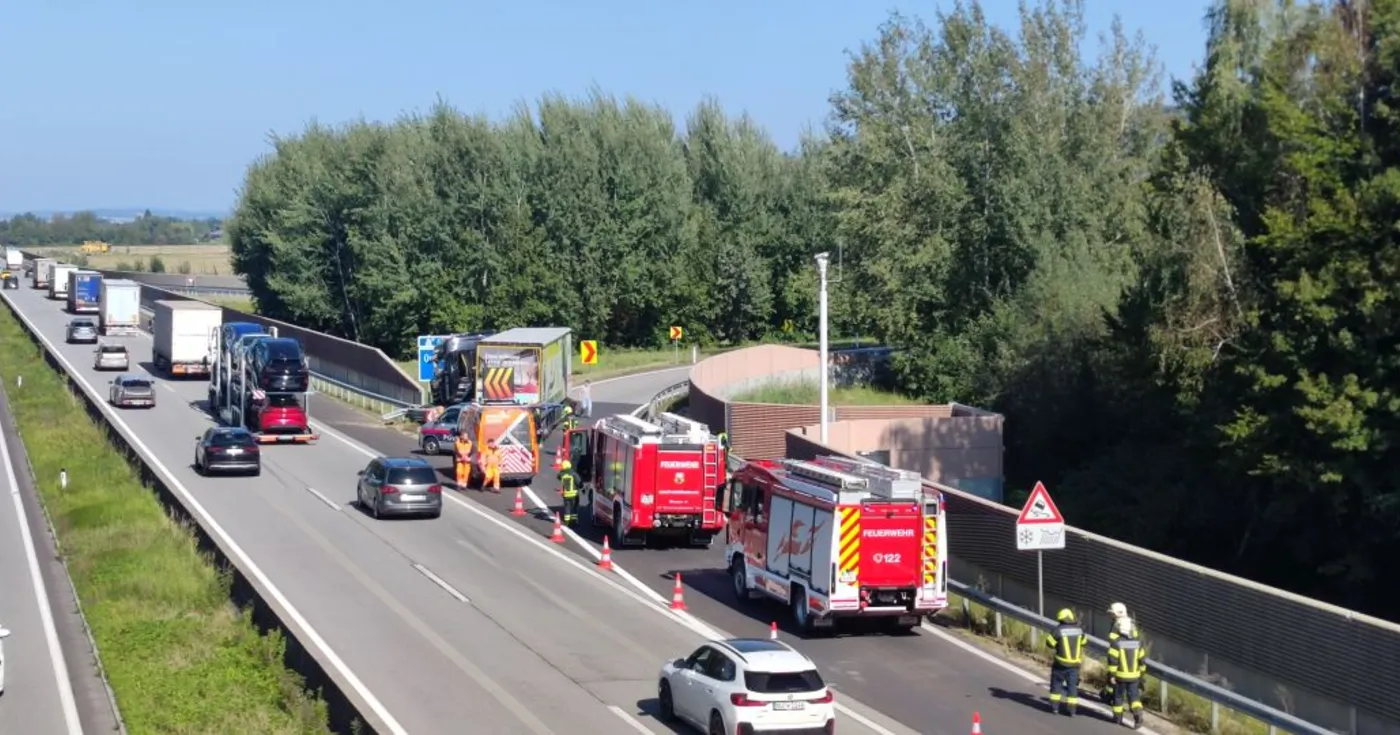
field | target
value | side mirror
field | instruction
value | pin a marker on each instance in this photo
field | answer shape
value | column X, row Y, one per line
column 360, row 472
column 679, row 663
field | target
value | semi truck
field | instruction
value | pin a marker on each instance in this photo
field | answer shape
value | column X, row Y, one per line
column 454, row 368
column 84, row 292
column 119, row 307
column 58, row 280
column 43, row 271
column 527, row 366
column 14, row 260
column 182, row 332
column 237, row 396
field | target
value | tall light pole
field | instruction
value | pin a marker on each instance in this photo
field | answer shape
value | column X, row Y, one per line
column 822, row 259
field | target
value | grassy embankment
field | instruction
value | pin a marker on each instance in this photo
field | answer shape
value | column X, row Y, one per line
column 201, row 259
column 1185, row 709
column 808, row 393
column 180, row 657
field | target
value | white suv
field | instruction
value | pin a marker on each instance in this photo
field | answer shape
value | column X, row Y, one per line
column 744, row 686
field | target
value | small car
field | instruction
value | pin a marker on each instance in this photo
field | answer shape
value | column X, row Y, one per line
column 436, row 436
column 82, row 331
column 748, row 685
column 227, row 449
column 111, row 357
column 399, row 486
column 127, row 391
column 9, row 279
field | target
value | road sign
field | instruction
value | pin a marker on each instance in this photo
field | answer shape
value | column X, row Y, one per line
column 1040, row 527
column 677, row 333
column 588, row 351
column 427, row 345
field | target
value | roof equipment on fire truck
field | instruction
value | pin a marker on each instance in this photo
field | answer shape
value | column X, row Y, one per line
column 683, row 429
column 883, row 481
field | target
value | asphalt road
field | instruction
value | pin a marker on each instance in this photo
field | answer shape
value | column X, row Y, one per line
column 466, row 622
column 928, row 680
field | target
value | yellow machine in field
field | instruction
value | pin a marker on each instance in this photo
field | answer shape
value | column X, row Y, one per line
column 94, row 247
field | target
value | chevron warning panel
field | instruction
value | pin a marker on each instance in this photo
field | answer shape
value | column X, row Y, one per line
column 848, row 559
column 930, row 549
column 516, row 459
column 498, row 384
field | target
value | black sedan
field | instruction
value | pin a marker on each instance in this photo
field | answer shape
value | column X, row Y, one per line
column 222, row 450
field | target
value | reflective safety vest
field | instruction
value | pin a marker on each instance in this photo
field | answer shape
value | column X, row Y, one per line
column 568, row 484
column 570, row 422
column 723, row 440
column 1067, row 641
column 490, row 458
column 1127, row 659
column 463, row 449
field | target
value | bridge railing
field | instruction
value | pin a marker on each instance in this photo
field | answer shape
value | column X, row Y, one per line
column 1220, row 698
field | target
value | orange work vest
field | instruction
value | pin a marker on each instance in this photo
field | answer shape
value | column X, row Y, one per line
column 490, row 458
column 463, row 448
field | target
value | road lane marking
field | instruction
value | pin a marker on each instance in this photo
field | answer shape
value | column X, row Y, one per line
column 439, row 581
column 41, row 596
column 211, row 525
column 629, row 719
column 334, row 505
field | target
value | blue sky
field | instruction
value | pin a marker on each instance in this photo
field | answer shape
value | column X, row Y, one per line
column 163, row 104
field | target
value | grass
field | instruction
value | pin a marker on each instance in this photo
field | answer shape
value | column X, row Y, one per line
column 243, row 304
column 806, row 393
column 180, row 658
column 1184, row 709
column 209, row 259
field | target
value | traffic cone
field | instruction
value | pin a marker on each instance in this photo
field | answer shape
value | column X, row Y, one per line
column 605, row 562
column 976, row 723
column 558, row 535
column 558, row 462
column 773, row 630
column 678, row 594
column 519, row 509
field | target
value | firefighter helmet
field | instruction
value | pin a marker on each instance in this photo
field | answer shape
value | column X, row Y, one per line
column 566, row 465
column 1065, row 615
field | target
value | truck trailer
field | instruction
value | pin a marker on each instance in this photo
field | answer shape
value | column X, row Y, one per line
column 236, row 399
column 58, row 280
column 43, row 271
column 119, row 307
column 528, row 366
column 14, row 260
column 84, row 292
column 182, row 332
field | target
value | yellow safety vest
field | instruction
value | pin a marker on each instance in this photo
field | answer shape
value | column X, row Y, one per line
column 1068, row 643
column 568, row 484
column 1127, row 659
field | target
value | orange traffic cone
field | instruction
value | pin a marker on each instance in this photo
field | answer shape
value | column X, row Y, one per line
column 678, row 594
column 976, row 723
column 558, row 462
column 519, row 509
column 558, row 535
column 605, row 562
column 773, row 630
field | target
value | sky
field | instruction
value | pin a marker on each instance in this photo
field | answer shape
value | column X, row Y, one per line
column 163, row 104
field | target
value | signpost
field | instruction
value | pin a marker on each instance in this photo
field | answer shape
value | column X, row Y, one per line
column 588, row 351
column 1040, row 528
column 676, row 334
column 427, row 345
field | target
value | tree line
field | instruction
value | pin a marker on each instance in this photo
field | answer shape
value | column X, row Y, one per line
column 31, row 230
column 1183, row 303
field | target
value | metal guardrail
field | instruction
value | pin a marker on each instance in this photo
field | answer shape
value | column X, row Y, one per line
column 1167, row 677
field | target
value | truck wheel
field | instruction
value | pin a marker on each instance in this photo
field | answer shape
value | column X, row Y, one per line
column 737, row 575
column 619, row 537
column 800, row 612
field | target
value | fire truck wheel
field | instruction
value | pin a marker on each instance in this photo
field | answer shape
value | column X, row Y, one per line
column 738, row 575
column 619, row 536
column 800, row 614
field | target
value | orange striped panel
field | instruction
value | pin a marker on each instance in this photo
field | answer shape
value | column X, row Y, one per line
column 848, row 556
column 930, row 549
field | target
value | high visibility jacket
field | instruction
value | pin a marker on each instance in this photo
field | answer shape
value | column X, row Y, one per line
column 570, row 422
column 723, row 440
column 462, row 448
column 490, row 458
column 1067, row 641
column 1127, row 659
column 568, row 483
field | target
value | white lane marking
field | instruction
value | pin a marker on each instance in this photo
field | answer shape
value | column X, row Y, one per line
column 439, row 581
column 648, row 597
column 1012, row 668
column 334, row 505
column 41, row 596
column 629, row 719
column 206, row 519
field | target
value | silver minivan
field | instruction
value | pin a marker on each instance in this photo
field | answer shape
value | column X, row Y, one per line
column 391, row 486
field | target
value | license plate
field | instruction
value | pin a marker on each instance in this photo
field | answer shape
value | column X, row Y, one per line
column 413, row 498
column 789, row 706
column 235, row 451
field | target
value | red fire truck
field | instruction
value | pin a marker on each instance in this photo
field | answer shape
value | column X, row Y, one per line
column 645, row 480
column 836, row 538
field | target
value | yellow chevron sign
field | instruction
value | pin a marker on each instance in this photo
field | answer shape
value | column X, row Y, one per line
column 848, row 554
column 498, row 384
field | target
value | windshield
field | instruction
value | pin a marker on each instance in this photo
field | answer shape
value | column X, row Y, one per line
column 113, row 349
column 231, row 439
column 508, row 426
column 412, row 476
column 283, row 400
column 137, row 383
column 795, row 682
column 83, row 324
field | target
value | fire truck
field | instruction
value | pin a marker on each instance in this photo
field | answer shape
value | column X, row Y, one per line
column 837, row 538
column 645, row 480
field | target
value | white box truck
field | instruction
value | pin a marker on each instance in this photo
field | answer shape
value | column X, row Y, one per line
column 14, row 259
column 58, row 280
column 43, row 270
column 119, row 307
column 183, row 332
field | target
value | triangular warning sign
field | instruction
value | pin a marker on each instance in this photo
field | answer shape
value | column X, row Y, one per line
column 1040, row 509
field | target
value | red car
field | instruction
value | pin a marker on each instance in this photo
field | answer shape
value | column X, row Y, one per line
column 281, row 413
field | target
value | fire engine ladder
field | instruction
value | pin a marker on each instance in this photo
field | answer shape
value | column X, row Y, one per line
column 842, row 487
column 633, row 427
column 885, row 482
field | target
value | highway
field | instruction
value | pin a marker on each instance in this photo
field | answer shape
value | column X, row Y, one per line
column 467, row 622
column 930, row 681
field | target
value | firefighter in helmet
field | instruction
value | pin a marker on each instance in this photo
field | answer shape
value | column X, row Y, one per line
column 570, row 420
column 462, row 459
column 1067, row 643
column 491, row 467
column 1127, row 663
column 568, row 490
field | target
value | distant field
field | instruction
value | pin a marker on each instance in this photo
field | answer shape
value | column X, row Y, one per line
column 210, row 259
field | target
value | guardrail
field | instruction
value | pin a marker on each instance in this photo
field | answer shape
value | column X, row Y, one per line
column 1277, row 720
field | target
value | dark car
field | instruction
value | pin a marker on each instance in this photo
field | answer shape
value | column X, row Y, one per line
column 279, row 365
column 399, row 486
column 82, row 330
column 225, row 449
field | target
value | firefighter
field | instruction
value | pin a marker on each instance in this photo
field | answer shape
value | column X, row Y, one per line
column 491, row 467
column 1127, row 663
column 570, row 420
column 568, row 490
column 723, row 439
column 462, row 459
column 1119, row 611
column 1067, row 642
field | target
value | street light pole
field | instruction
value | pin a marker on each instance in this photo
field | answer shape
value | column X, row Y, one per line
column 822, row 259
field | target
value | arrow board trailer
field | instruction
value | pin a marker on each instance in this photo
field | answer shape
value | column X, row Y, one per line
column 527, row 366
column 181, row 332
column 645, row 480
column 837, row 538
column 119, row 307
column 84, row 292
column 58, row 280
